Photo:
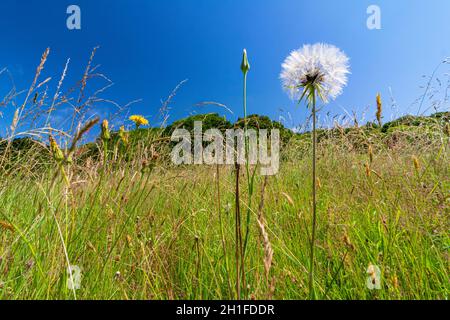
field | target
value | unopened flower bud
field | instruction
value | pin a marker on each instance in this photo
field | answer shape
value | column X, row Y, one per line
column 123, row 135
column 245, row 66
column 57, row 154
column 106, row 135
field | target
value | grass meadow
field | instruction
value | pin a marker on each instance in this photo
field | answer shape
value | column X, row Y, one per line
column 139, row 227
column 168, row 233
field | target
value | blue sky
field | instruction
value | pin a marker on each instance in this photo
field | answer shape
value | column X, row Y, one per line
column 148, row 46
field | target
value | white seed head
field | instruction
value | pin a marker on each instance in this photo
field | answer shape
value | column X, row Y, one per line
column 323, row 63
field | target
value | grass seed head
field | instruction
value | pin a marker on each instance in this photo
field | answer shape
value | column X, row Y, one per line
column 288, row 198
column 7, row 226
column 367, row 166
column 15, row 120
column 416, row 163
column 370, row 152
column 379, row 109
column 348, row 243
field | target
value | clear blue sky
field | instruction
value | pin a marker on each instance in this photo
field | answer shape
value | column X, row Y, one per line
column 148, row 46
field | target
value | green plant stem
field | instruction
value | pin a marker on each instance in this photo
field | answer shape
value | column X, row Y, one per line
column 63, row 173
column 240, row 247
column 314, row 222
column 238, row 234
column 105, row 154
column 250, row 179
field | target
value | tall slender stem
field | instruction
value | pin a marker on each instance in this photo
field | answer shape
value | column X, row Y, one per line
column 238, row 234
column 314, row 222
column 245, row 100
column 245, row 66
column 247, row 165
column 105, row 154
column 243, row 246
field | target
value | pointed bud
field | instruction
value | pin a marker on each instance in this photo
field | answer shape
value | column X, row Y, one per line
column 245, row 66
column 123, row 135
column 105, row 131
column 56, row 151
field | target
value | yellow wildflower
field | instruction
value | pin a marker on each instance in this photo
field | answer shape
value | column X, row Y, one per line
column 139, row 120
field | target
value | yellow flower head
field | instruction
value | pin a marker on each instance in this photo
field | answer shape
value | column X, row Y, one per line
column 139, row 120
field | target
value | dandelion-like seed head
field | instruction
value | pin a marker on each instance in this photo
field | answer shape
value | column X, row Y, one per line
column 320, row 67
